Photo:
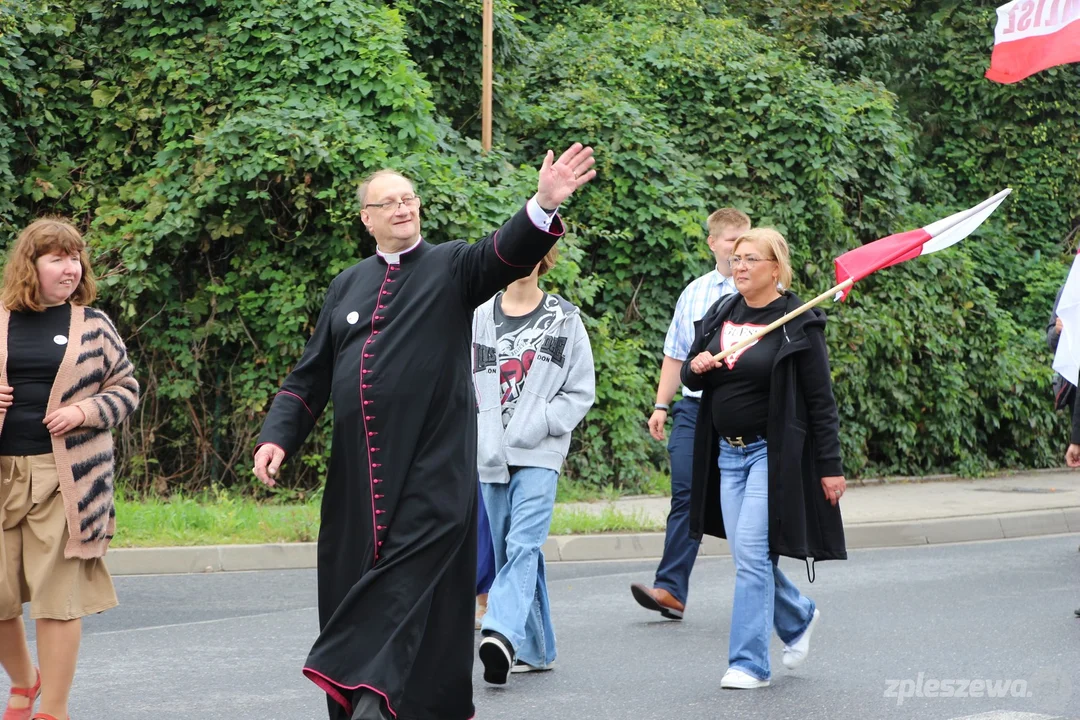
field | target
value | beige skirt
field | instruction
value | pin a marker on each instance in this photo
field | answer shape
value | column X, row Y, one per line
column 33, row 568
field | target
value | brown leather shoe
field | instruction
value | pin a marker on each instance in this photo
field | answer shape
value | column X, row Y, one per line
column 657, row 599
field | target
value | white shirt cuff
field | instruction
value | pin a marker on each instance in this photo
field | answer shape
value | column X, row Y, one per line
column 539, row 218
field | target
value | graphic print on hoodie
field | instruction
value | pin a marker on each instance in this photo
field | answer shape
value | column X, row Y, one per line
column 519, row 339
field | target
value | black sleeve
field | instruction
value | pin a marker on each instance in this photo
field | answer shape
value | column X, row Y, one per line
column 510, row 253
column 689, row 378
column 816, row 382
column 1052, row 335
column 1074, row 434
column 306, row 390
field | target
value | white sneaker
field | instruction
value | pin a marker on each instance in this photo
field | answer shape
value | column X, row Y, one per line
column 524, row 667
column 796, row 652
column 735, row 679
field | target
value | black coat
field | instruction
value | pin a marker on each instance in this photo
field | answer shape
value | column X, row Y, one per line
column 397, row 541
column 803, row 437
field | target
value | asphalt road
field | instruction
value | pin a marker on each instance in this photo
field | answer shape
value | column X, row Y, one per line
column 972, row 620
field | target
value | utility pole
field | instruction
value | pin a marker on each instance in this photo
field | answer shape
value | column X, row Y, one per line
column 488, row 75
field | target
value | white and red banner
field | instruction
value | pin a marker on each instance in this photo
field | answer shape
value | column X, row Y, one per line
column 1032, row 35
column 856, row 264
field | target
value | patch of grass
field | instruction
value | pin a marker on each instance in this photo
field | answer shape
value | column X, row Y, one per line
column 212, row 518
column 568, row 521
column 220, row 517
column 658, row 483
column 574, row 491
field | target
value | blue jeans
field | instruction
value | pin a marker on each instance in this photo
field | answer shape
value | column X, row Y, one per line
column 764, row 597
column 520, row 514
column 485, row 555
column 680, row 551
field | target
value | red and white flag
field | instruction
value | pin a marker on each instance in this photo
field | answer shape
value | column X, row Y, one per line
column 856, row 264
column 1032, row 35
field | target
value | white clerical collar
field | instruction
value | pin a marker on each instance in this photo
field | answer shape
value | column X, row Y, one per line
column 395, row 257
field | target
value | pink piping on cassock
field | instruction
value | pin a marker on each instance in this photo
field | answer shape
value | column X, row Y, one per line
column 367, row 433
column 292, row 394
column 333, row 689
column 495, row 241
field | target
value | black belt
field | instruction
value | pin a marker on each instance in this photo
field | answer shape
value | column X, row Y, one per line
column 743, row 441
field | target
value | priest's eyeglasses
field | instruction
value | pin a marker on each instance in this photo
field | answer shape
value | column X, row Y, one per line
column 750, row 262
column 410, row 201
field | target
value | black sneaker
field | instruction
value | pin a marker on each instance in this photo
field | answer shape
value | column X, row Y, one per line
column 497, row 654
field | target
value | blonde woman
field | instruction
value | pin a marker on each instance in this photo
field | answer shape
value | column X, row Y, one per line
column 767, row 469
column 65, row 381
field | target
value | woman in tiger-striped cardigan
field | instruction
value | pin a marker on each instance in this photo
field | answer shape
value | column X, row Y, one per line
column 65, row 382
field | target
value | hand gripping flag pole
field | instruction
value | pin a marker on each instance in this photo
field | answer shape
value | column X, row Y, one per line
column 856, row 264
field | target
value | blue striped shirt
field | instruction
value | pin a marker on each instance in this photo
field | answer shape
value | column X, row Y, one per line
column 694, row 302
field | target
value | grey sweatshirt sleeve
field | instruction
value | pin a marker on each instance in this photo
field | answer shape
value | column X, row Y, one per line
column 572, row 402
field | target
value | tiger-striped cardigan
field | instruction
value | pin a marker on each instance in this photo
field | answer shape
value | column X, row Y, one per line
column 97, row 377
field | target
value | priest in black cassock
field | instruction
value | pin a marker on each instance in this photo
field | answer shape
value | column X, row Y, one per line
column 397, row 543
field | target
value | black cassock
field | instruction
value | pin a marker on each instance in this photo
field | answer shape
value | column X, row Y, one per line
column 397, row 544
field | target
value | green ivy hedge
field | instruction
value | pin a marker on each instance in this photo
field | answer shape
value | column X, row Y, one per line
column 211, row 150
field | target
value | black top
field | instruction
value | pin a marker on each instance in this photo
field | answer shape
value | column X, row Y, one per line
column 35, row 347
column 804, row 440
column 741, row 383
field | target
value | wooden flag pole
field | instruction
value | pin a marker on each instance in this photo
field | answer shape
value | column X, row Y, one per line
column 487, row 75
column 846, row 285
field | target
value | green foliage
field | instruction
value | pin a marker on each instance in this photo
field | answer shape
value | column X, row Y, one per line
column 693, row 114
column 940, row 378
column 211, row 150
column 972, row 137
column 445, row 40
column 217, row 148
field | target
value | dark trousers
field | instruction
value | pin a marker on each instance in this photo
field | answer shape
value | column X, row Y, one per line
column 680, row 551
column 485, row 551
column 369, row 706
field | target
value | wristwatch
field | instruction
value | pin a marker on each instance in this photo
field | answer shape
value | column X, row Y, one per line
column 662, row 406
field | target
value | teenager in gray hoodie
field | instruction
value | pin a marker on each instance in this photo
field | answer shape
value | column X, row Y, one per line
column 533, row 374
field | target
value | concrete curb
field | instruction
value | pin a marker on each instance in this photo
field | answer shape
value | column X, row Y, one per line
column 1004, row 474
column 210, row 558
column 609, row 546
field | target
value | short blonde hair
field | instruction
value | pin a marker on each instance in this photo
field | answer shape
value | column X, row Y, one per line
column 21, row 291
column 548, row 261
column 769, row 240
column 727, row 218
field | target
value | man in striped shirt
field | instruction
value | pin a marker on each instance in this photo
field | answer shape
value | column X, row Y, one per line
column 669, row 591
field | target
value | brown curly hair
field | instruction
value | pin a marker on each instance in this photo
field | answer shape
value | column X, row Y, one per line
column 21, row 291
